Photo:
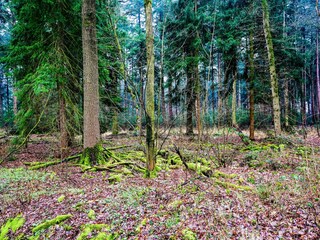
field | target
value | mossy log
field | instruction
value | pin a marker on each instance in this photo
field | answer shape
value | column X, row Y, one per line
column 38, row 165
column 228, row 185
column 87, row 229
column 48, row 223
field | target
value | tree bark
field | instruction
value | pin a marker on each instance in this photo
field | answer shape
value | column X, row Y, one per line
column 198, row 105
column 91, row 128
column 220, row 103
column 190, row 100
column 1, row 110
column 115, row 121
column 150, row 138
column 318, row 76
column 170, row 96
column 272, row 69
column 162, row 97
column 234, row 102
column 64, row 139
column 251, row 86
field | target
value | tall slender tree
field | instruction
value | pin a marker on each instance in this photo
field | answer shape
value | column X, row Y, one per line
column 91, row 126
column 272, row 68
column 150, row 120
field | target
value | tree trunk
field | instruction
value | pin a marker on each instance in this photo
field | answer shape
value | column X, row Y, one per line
column 318, row 77
column 64, row 139
column 272, row 69
column 198, row 105
column 190, row 100
column 150, row 139
column 162, row 97
column 251, row 86
column 141, row 82
column 219, row 93
column 15, row 102
column 91, row 128
column 286, row 83
column 170, row 98
column 234, row 101
column 140, row 116
column 1, row 110
column 115, row 121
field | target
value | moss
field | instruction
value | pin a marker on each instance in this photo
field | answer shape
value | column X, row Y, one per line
column 175, row 204
column 89, row 228
column 67, row 227
column 200, row 169
column 218, row 174
column 48, row 223
column 61, row 198
column 38, row 165
column 233, row 186
column 174, row 160
column 143, row 223
column 12, row 224
column 151, row 174
column 91, row 214
column 255, row 164
column 203, row 161
column 126, row 171
column 113, row 178
column 94, row 156
column 188, row 234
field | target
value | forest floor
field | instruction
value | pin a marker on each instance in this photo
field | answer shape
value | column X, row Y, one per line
column 267, row 190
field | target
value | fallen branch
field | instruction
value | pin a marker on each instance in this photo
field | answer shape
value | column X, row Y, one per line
column 38, row 165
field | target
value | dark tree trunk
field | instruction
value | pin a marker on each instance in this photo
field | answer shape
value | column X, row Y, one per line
column 190, row 100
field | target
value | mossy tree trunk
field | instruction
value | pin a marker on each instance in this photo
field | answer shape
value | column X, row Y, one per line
column 272, row 68
column 93, row 156
column 286, row 82
column 115, row 121
column 91, row 128
column 150, row 119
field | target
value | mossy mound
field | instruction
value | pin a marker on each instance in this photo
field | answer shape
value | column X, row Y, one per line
column 95, row 155
column 97, row 232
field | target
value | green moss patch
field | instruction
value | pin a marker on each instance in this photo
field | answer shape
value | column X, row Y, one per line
column 97, row 231
column 12, row 224
column 48, row 223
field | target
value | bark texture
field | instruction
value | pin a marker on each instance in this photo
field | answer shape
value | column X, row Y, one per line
column 91, row 128
column 150, row 139
column 318, row 76
column 251, row 87
column 64, row 139
column 272, row 68
column 234, row 102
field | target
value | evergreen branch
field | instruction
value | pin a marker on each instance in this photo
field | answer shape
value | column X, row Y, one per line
column 28, row 135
